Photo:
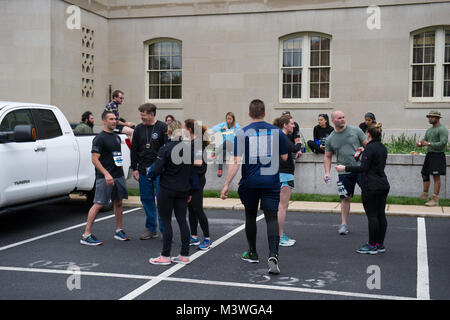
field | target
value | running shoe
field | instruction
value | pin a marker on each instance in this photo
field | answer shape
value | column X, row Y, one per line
column 285, row 241
column 219, row 173
column 205, row 245
column 250, row 257
column 149, row 235
column 381, row 248
column 161, row 261
column 194, row 241
column 121, row 235
column 181, row 259
column 368, row 249
column 343, row 229
column 90, row 240
column 274, row 267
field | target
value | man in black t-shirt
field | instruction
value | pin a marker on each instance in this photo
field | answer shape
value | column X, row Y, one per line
column 110, row 182
column 148, row 137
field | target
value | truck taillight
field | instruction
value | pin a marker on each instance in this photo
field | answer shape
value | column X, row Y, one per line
column 128, row 142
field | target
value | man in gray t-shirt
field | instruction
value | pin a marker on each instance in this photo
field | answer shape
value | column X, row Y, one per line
column 343, row 142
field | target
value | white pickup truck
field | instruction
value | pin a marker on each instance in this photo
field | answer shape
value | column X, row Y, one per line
column 42, row 161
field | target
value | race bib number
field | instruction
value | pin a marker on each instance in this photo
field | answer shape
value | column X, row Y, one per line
column 341, row 190
column 118, row 159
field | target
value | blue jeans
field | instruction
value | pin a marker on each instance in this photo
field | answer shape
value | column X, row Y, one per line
column 148, row 191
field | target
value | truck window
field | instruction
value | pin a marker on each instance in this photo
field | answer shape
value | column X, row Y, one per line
column 48, row 126
column 14, row 118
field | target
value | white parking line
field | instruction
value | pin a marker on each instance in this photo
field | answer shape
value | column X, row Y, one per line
column 132, row 295
column 423, row 282
column 164, row 277
column 60, row 231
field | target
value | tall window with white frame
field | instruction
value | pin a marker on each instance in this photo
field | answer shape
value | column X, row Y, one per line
column 305, row 68
column 430, row 65
column 164, row 70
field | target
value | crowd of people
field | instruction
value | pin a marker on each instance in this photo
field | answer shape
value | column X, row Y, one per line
column 169, row 161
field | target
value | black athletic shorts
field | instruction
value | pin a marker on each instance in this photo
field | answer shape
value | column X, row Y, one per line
column 434, row 164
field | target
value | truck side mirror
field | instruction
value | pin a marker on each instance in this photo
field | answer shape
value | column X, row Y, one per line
column 24, row 133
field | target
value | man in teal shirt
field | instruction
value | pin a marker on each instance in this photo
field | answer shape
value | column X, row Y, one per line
column 436, row 139
column 343, row 142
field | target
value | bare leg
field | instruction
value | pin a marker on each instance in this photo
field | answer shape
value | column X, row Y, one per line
column 91, row 217
column 345, row 209
column 118, row 212
column 285, row 196
column 437, row 184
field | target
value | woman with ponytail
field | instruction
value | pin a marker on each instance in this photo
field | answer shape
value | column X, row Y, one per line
column 199, row 141
column 375, row 188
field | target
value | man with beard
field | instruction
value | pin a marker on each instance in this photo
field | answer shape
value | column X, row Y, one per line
column 86, row 125
column 435, row 140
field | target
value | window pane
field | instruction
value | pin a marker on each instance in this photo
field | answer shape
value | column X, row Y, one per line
column 417, row 89
column 446, row 88
column 429, row 54
column 325, row 44
column 165, row 92
column 297, row 75
column 325, row 75
column 447, row 54
column 314, row 75
column 429, row 38
column 417, row 73
column 287, row 91
column 49, row 125
column 176, row 92
column 325, row 58
column 176, row 48
column 297, row 44
column 14, row 118
column 154, row 92
column 154, row 78
column 176, row 77
column 314, row 91
column 165, row 62
column 165, row 77
column 428, row 72
column 418, row 40
column 297, row 59
column 418, row 55
column 296, row 91
column 447, row 72
column 166, row 48
column 176, row 62
column 324, row 90
column 154, row 49
column 315, row 58
column 287, row 59
column 154, row 63
column 315, row 43
column 287, row 75
column 428, row 89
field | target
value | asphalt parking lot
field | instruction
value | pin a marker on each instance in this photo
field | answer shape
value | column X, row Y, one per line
column 41, row 258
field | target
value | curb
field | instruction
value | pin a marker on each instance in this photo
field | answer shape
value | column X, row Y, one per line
column 310, row 207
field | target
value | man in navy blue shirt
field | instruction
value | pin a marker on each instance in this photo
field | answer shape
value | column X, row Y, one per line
column 259, row 147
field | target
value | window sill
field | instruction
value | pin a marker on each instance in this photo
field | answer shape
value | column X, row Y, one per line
column 304, row 105
column 427, row 105
column 166, row 103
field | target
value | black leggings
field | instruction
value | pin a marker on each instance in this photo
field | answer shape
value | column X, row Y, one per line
column 272, row 230
column 197, row 215
column 375, row 205
column 314, row 147
column 169, row 201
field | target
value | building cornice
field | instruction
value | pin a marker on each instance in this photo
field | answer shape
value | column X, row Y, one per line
column 122, row 9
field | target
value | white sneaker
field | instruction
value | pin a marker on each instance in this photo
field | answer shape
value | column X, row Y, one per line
column 343, row 229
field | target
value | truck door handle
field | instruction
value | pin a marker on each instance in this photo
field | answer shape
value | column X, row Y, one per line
column 40, row 149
